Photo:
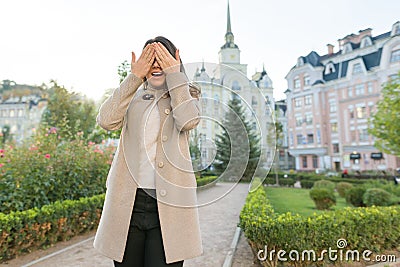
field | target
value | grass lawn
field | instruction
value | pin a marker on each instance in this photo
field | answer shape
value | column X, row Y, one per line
column 296, row 200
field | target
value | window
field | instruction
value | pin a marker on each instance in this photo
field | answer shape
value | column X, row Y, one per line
column 304, row 158
column 351, row 113
column 359, row 89
column 361, row 112
column 363, row 134
column 300, row 61
column 309, row 118
column 203, row 123
column 253, row 101
column 366, row 41
column 350, row 92
column 216, row 99
column 357, row 68
column 310, row 138
column 307, row 100
column 395, row 57
column 370, row 87
column 307, row 80
column 335, row 148
column 296, row 83
column 299, row 120
column 12, row 113
column 315, row 161
column 20, row 112
column 236, row 86
column 299, row 139
column 353, row 136
column 332, row 107
column 330, row 68
column 297, row 102
column 396, row 29
column 347, row 48
column 334, row 127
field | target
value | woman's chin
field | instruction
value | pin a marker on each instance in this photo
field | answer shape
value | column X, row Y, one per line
column 157, row 82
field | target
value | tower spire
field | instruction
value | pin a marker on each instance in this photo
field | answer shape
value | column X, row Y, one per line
column 229, row 38
column 228, row 24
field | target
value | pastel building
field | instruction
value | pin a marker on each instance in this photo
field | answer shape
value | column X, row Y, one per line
column 331, row 97
column 224, row 80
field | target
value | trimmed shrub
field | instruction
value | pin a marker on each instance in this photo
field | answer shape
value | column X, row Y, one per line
column 354, row 196
column 265, row 228
column 23, row 231
column 206, row 181
column 376, row 197
column 306, row 183
column 342, row 187
column 270, row 181
column 325, row 184
column 324, row 198
column 287, row 182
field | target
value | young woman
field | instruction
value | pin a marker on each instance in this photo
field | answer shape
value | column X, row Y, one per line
column 150, row 215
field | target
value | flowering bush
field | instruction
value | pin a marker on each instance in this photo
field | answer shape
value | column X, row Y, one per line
column 47, row 168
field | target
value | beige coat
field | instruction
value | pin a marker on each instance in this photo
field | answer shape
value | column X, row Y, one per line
column 174, row 179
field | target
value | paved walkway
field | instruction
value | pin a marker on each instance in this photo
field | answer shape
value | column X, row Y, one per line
column 218, row 221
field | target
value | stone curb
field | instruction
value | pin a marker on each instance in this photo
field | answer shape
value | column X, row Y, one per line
column 229, row 256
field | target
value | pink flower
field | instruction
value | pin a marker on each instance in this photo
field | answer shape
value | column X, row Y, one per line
column 47, row 156
column 53, row 130
column 90, row 143
column 1, row 165
column 1, row 150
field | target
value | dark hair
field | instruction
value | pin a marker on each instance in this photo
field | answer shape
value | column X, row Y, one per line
column 167, row 44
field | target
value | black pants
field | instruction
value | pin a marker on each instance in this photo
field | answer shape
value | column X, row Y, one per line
column 144, row 247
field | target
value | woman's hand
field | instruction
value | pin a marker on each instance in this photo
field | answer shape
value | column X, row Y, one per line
column 142, row 66
column 166, row 61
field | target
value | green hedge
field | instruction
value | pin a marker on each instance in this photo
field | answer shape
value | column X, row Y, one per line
column 23, row 231
column 375, row 228
column 206, row 181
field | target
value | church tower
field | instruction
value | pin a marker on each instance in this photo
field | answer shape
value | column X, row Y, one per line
column 229, row 53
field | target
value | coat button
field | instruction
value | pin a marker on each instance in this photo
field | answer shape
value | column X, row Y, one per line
column 163, row 192
column 161, row 164
column 166, row 111
column 165, row 95
column 164, row 138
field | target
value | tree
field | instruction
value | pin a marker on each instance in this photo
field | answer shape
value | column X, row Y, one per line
column 123, row 70
column 98, row 134
column 69, row 112
column 238, row 146
column 386, row 120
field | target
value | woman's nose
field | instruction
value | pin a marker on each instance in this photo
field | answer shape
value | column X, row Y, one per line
column 155, row 64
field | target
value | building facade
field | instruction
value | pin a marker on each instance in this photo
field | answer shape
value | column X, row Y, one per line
column 21, row 109
column 331, row 97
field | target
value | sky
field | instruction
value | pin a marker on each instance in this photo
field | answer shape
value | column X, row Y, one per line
column 80, row 43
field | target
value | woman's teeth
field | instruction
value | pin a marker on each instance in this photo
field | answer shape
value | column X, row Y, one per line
column 157, row 73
